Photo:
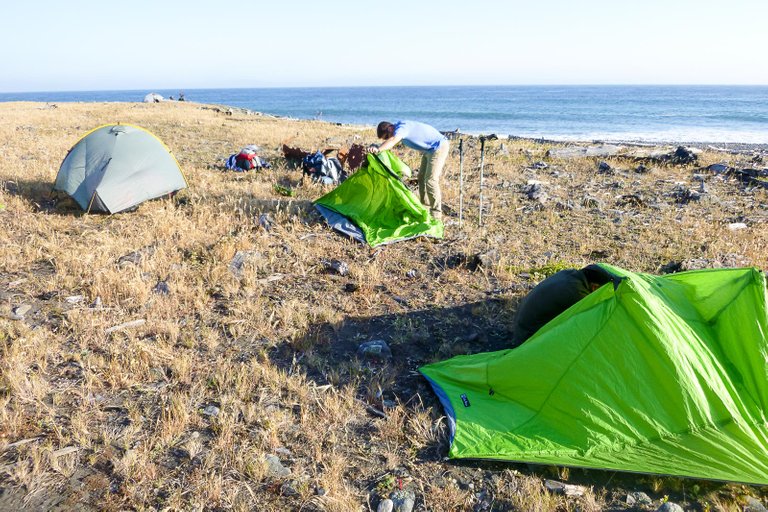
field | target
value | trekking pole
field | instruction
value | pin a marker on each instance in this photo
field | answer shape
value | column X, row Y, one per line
column 461, row 181
column 482, row 161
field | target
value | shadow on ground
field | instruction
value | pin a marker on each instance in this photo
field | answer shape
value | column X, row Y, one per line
column 329, row 355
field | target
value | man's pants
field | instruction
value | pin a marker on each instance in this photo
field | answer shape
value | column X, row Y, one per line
column 431, row 170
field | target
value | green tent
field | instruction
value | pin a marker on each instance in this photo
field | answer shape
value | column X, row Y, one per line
column 664, row 375
column 374, row 206
column 115, row 167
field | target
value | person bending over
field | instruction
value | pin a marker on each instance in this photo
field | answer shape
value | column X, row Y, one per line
column 554, row 295
column 433, row 147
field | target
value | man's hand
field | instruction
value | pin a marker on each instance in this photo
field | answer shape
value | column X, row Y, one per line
column 373, row 148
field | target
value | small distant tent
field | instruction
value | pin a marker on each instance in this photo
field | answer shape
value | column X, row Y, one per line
column 373, row 205
column 153, row 97
column 655, row 374
column 116, row 167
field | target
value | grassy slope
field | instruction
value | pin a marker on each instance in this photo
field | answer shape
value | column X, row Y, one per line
column 272, row 349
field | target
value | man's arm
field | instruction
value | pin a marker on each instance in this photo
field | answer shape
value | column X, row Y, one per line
column 389, row 143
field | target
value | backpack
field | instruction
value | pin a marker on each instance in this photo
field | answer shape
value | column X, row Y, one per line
column 246, row 160
column 327, row 171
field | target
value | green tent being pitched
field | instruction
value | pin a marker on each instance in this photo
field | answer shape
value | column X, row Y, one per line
column 375, row 207
column 657, row 374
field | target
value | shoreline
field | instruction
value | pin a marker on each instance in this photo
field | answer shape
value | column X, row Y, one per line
column 733, row 148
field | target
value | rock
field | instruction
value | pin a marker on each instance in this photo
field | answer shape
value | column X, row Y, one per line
column 604, row 168
column 683, row 155
column 265, row 222
column 275, row 468
column 487, row 259
column 412, row 274
column 736, row 226
column 670, row 507
column 74, row 299
column 21, row 310
column 289, row 488
column 535, row 192
column 684, row 195
column 638, row 498
column 351, row 287
column 561, row 488
column 374, row 349
column 385, row 505
column 631, row 200
column 240, row 260
column 641, row 169
column 403, row 500
column 135, row 257
column 211, row 411
column 162, row 288
column 754, row 505
column 538, row 165
column 591, row 202
column 337, row 266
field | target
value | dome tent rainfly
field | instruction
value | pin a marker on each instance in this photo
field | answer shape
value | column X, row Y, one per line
column 116, row 167
column 653, row 374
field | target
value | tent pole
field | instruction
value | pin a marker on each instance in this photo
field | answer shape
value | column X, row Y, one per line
column 482, row 161
column 461, row 181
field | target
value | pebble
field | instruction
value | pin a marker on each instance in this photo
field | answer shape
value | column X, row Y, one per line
column 670, row 507
column 275, row 468
column 638, row 498
column 337, row 266
column 211, row 410
column 754, row 505
column 162, row 288
column 21, row 310
column 562, row 488
column 240, row 259
column 265, row 222
column 385, row 506
column 403, row 500
column 374, row 349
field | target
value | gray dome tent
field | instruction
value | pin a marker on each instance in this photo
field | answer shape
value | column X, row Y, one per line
column 153, row 97
column 116, row 167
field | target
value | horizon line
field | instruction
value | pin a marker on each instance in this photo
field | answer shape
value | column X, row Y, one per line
column 183, row 89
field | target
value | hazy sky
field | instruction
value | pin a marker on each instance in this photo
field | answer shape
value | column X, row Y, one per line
column 50, row 45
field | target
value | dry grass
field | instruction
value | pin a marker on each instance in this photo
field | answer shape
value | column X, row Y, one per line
column 123, row 420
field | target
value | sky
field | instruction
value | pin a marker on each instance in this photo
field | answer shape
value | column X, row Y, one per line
column 84, row 45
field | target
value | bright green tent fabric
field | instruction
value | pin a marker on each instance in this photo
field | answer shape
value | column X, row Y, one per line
column 379, row 204
column 664, row 375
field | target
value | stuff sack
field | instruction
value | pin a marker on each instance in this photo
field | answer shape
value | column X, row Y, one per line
column 246, row 160
column 327, row 171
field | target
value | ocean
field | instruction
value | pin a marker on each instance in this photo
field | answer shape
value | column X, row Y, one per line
column 728, row 114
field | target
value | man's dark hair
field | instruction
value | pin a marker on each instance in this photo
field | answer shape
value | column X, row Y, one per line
column 385, row 130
